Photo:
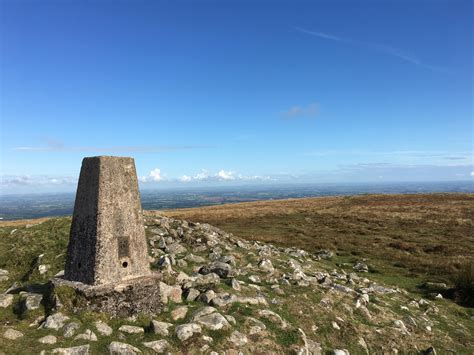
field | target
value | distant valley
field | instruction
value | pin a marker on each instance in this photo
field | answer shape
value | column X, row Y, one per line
column 61, row 204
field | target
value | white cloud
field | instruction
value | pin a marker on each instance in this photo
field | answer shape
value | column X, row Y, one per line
column 185, row 178
column 472, row 173
column 226, row 175
column 203, row 175
column 222, row 175
column 154, row 176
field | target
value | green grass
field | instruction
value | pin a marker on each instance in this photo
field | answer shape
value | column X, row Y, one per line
column 19, row 251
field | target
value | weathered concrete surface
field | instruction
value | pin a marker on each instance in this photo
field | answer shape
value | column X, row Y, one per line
column 139, row 295
column 107, row 241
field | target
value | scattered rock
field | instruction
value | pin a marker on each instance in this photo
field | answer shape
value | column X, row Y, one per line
column 203, row 282
column 363, row 344
column 12, row 334
column 324, row 254
column 158, row 346
column 186, row 331
column 48, row 339
column 266, row 265
column 270, row 273
column 131, row 329
column 165, row 263
column 170, row 293
column 75, row 350
column 43, row 269
column 217, row 267
column 118, row 348
column 208, row 296
column 192, row 294
column 254, row 279
column 6, row 300
column 70, row 329
column 361, row 267
column 179, row 313
column 273, row 317
column 175, row 249
column 340, row 352
column 400, row 325
column 363, row 310
column 213, row 321
column 55, row 321
column 3, row 275
column 37, row 321
column 238, row 339
column 229, row 259
column 310, row 346
column 203, row 311
column 259, row 300
column 255, row 325
column 182, row 278
column 103, row 328
column 342, row 288
column 207, row 339
column 235, row 284
column 87, row 335
column 195, row 259
column 31, row 301
column 160, row 328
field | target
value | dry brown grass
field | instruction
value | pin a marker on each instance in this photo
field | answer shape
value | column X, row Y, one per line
column 23, row 222
column 417, row 235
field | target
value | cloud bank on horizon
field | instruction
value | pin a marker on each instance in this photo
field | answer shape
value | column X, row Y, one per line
column 344, row 174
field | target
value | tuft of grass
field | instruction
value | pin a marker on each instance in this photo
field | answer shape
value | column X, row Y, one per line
column 239, row 309
column 219, row 336
column 285, row 337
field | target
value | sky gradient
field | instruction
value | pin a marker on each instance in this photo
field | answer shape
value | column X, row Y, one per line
column 231, row 92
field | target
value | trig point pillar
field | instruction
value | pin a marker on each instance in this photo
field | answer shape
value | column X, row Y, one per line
column 107, row 267
column 107, row 243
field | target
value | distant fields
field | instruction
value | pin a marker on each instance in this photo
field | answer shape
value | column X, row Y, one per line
column 404, row 238
column 37, row 205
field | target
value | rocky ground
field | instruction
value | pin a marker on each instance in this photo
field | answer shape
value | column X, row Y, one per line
column 224, row 295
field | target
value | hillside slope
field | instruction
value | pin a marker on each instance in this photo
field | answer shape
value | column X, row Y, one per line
column 407, row 239
column 225, row 294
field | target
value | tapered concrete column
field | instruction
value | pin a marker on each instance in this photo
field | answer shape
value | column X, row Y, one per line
column 107, row 242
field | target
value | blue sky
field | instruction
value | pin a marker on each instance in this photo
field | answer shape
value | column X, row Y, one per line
column 208, row 92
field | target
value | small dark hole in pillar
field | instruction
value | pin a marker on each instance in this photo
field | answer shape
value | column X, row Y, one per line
column 79, row 265
column 124, row 264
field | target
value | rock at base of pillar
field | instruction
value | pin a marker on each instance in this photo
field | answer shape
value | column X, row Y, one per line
column 139, row 295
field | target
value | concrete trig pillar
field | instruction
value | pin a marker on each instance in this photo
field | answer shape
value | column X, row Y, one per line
column 107, row 243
